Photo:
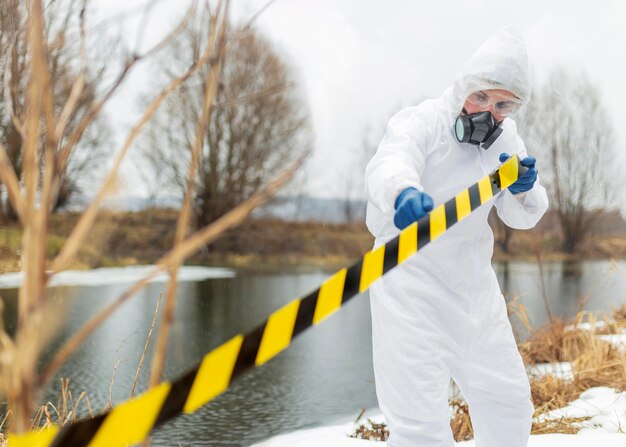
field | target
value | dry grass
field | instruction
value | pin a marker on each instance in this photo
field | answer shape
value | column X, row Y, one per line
column 549, row 393
column 461, row 424
column 565, row 426
column 3, row 440
column 66, row 409
column 595, row 362
column 619, row 314
column 371, row 431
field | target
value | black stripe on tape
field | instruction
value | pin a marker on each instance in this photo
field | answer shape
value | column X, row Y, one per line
column 249, row 350
column 451, row 214
column 474, row 196
column 176, row 398
column 391, row 255
column 353, row 281
column 80, row 433
column 423, row 231
column 306, row 311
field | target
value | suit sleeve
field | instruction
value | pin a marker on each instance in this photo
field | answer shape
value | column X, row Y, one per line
column 400, row 158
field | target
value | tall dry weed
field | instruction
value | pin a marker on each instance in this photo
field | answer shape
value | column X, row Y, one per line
column 48, row 142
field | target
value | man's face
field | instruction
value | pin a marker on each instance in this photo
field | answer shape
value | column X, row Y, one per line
column 501, row 103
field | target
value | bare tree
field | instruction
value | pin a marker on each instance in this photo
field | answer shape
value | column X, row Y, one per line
column 259, row 123
column 569, row 130
column 63, row 41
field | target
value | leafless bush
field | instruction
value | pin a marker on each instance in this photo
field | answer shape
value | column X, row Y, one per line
column 566, row 126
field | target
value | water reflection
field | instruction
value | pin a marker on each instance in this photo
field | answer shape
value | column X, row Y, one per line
column 569, row 287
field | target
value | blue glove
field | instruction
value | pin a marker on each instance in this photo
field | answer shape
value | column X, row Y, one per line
column 526, row 181
column 411, row 205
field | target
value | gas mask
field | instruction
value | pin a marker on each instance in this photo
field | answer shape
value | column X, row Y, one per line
column 477, row 128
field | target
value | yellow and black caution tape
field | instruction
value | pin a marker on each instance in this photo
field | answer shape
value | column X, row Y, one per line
column 132, row 421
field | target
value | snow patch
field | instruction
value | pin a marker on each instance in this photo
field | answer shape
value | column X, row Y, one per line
column 338, row 436
column 561, row 370
column 617, row 340
column 118, row 275
column 586, row 326
column 605, row 407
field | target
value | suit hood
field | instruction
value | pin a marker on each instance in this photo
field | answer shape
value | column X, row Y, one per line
column 501, row 62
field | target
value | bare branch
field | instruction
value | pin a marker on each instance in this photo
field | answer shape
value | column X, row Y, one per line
column 257, row 95
column 78, row 86
column 31, row 290
column 10, row 84
column 145, row 348
column 147, row 9
column 256, row 16
column 167, row 39
column 216, row 40
column 96, row 107
column 9, row 178
column 87, row 218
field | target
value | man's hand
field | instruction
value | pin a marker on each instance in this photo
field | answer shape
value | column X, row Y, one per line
column 526, row 181
column 411, row 205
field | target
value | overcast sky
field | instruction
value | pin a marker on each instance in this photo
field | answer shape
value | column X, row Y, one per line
column 360, row 60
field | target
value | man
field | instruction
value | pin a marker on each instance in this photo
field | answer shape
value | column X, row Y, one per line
column 441, row 314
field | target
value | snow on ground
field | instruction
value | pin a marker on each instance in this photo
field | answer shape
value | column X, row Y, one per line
column 561, row 370
column 617, row 340
column 606, row 428
column 586, row 326
column 338, row 436
column 605, row 406
column 118, row 275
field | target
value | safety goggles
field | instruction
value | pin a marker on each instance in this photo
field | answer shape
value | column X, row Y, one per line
column 498, row 104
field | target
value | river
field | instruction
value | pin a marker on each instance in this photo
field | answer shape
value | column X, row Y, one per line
column 326, row 374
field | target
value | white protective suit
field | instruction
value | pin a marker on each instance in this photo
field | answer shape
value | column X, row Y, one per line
column 441, row 314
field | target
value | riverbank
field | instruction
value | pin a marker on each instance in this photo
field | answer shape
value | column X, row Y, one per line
column 131, row 238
